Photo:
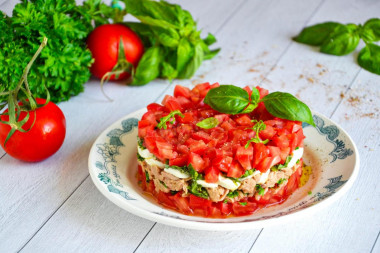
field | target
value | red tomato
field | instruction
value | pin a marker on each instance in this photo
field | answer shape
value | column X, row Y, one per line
column 281, row 141
column 268, row 163
column 235, row 170
column 212, row 174
column 244, row 156
column 181, row 91
column 44, row 138
column 196, row 161
column 244, row 209
column 181, row 203
column 259, row 153
column 103, row 43
column 163, row 198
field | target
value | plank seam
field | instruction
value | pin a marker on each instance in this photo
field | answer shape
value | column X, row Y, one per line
column 348, row 88
column 52, row 214
column 257, row 237
column 291, row 43
column 373, row 247
column 144, row 237
column 3, row 156
column 230, row 16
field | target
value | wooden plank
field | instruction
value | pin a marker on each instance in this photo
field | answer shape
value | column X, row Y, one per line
column 46, row 185
column 88, row 222
column 170, row 239
column 376, row 246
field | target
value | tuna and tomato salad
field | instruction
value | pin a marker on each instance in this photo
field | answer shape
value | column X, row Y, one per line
column 199, row 158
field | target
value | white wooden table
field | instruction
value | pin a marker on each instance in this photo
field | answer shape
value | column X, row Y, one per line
column 53, row 206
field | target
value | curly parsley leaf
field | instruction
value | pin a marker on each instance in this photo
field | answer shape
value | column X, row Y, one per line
column 258, row 127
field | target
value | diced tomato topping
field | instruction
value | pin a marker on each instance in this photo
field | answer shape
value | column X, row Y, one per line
column 244, row 120
column 244, row 156
column 274, row 151
column 196, row 161
column 181, row 203
column 281, row 141
column 154, row 107
column 248, row 90
column 198, row 147
column 180, row 160
column 268, row 163
column 236, row 170
column 180, row 91
column 267, row 133
column 223, row 163
column 212, row 175
column 263, row 92
column 260, row 151
column 201, row 135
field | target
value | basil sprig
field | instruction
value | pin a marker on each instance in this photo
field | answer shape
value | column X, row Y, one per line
column 339, row 39
column 234, row 100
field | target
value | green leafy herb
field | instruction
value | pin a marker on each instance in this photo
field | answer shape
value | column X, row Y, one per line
column 282, row 166
column 258, row 127
column 369, row 58
column 309, row 192
column 343, row 40
column 281, row 181
column 260, row 190
column 339, row 39
column 247, row 173
column 194, row 187
column 233, row 194
column 140, row 143
column 208, row 123
column 183, row 169
column 139, row 157
column 66, row 26
column 233, row 100
column 298, row 161
column 147, row 177
column 169, row 118
column 317, row 34
column 173, row 30
column 286, row 106
column 243, row 203
column 227, row 99
column 173, row 192
column 163, row 183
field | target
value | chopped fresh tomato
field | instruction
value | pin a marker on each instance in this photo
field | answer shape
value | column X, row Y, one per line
column 244, row 208
column 244, row 156
column 235, row 170
column 260, row 151
column 180, row 91
column 212, row 175
column 181, row 203
column 268, row 163
column 196, row 161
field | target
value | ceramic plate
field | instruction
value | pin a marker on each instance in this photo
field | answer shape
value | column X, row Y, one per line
column 328, row 150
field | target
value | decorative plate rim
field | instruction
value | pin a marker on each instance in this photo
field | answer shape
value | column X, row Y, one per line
column 215, row 226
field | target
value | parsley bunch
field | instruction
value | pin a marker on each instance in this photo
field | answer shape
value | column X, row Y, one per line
column 63, row 66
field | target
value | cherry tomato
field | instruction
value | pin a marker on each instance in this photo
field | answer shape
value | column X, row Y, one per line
column 44, row 138
column 103, row 43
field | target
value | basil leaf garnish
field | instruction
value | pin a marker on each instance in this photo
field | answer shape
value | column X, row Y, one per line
column 227, row 99
column 208, row 123
column 369, row 58
column 371, row 30
column 286, row 106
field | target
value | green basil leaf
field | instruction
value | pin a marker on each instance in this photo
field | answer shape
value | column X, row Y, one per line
column 156, row 22
column 255, row 96
column 208, row 123
column 168, row 71
column 249, row 109
column 371, row 30
column 167, row 37
column 149, row 66
column 286, row 106
column 211, row 54
column 227, row 99
column 369, row 58
column 184, row 53
column 342, row 41
column 317, row 34
column 194, row 63
column 210, row 39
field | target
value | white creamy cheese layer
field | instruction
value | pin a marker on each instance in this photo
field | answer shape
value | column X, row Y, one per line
column 224, row 182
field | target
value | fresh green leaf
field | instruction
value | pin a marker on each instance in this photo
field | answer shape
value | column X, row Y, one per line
column 286, row 106
column 282, row 166
column 233, row 194
column 260, row 190
column 195, row 62
column 168, row 71
column 255, row 96
column 170, row 118
column 343, row 40
column 227, row 99
column 208, row 123
column 211, row 54
column 183, row 169
column 168, row 37
column 139, row 157
column 369, row 58
column 281, row 180
column 149, row 66
column 147, row 179
column 210, row 39
column 371, row 30
column 242, row 203
column 184, row 54
column 249, row 108
column 317, row 34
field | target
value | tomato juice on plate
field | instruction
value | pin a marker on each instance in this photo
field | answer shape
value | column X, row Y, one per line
column 198, row 161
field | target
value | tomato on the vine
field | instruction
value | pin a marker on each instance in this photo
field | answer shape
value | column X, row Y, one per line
column 42, row 140
column 103, row 43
